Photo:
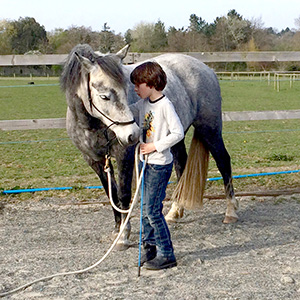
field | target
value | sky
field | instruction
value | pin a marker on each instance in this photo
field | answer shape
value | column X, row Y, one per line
column 123, row 15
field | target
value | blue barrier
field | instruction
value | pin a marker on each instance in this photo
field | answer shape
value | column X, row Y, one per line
column 100, row 187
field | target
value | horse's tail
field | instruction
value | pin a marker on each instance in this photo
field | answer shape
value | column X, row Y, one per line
column 190, row 188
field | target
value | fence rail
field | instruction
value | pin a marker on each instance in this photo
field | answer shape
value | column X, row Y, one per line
column 227, row 116
column 132, row 57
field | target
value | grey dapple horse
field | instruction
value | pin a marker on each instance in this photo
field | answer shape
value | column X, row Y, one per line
column 99, row 120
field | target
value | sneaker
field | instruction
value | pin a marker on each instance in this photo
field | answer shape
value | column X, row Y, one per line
column 160, row 262
column 149, row 253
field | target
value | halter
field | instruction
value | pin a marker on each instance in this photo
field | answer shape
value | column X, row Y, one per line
column 104, row 115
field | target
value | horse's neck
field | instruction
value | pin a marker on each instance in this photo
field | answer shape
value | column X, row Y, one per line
column 131, row 94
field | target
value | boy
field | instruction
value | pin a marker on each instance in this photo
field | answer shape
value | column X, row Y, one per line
column 161, row 130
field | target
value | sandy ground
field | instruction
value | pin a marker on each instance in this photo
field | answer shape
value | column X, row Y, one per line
column 256, row 258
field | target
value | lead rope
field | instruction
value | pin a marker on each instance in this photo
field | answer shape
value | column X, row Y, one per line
column 107, row 170
column 122, row 227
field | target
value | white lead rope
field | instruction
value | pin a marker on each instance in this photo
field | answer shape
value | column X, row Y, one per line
column 123, row 225
column 107, row 170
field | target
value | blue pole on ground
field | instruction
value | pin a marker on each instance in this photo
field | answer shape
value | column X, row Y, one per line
column 33, row 190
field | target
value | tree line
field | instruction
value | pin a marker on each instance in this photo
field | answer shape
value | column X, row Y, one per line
column 231, row 32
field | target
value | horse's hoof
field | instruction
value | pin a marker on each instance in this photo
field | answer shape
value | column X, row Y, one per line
column 175, row 213
column 170, row 220
column 172, row 217
column 122, row 246
column 230, row 220
column 114, row 234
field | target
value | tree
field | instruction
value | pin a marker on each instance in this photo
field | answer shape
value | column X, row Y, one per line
column 128, row 37
column 263, row 38
column 62, row 41
column 109, row 41
column 231, row 32
column 177, row 40
column 196, row 36
column 251, row 46
column 233, row 14
column 194, row 23
column 297, row 23
column 141, row 37
column 27, row 35
column 57, row 40
column 159, row 38
column 197, row 24
column 285, row 31
column 296, row 41
column 106, row 39
column 5, row 37
column 149, row 37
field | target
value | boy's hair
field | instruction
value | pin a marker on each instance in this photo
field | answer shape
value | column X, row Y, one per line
column 150, row 73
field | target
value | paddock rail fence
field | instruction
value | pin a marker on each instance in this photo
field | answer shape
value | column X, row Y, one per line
column 58, row 59
column 28, row 124
column 133, row 57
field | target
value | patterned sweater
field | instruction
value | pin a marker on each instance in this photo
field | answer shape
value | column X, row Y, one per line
column 161, row 126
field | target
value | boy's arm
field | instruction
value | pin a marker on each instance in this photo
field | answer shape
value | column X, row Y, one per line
column 175, row 127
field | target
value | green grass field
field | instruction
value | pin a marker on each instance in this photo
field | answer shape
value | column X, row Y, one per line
column 44, row 99
column 20, row 100
column 47, row 158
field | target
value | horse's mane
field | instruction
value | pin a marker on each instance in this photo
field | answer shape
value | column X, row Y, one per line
column 72, row 73
column 111, row 66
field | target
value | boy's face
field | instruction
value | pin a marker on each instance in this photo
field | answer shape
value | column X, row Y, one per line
column 143, row 90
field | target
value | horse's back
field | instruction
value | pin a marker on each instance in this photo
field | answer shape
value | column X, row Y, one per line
column 193, row 88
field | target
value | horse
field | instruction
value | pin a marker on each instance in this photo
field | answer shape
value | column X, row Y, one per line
column 100, row 120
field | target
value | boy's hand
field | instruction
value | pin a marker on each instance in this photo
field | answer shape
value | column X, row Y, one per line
column 147, row 148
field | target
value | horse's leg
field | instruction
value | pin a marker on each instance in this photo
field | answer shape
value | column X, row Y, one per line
column 180, row 157
column 98, row 167
column 217, row 149
column 125, row 162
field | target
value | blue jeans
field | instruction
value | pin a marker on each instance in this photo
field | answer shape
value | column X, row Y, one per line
column 156, row 231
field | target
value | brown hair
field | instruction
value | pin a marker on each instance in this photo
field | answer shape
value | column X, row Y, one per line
column 150, row 73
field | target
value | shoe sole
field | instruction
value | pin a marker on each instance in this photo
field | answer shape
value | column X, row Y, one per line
column 167, row 266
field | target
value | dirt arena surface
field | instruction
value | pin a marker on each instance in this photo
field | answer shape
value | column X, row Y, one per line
column 256, row 258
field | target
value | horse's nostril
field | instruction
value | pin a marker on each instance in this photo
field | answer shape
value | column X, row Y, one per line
column 130, row 138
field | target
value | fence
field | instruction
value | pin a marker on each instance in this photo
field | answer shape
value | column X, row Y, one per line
column 58, row 59
column 227, row 116
column 278, row 76
column 270, row 56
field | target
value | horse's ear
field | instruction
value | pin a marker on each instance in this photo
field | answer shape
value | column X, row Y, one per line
column 123, row 52
column 85, row 62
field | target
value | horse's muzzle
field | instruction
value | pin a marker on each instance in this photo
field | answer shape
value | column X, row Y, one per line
column 128, row 135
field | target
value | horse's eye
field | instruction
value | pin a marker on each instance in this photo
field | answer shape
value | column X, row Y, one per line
column 103, row 97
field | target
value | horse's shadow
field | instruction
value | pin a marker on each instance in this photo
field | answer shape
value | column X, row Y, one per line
column 262, row 226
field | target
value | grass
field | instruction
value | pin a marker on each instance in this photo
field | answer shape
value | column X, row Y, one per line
column 47, row 158
column 44, row 99
column 255, row 96
column 20, row 100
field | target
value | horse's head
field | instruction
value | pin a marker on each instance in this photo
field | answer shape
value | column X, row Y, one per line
column 104, row 94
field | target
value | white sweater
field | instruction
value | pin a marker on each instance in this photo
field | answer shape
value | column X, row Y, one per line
column 163, row 125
